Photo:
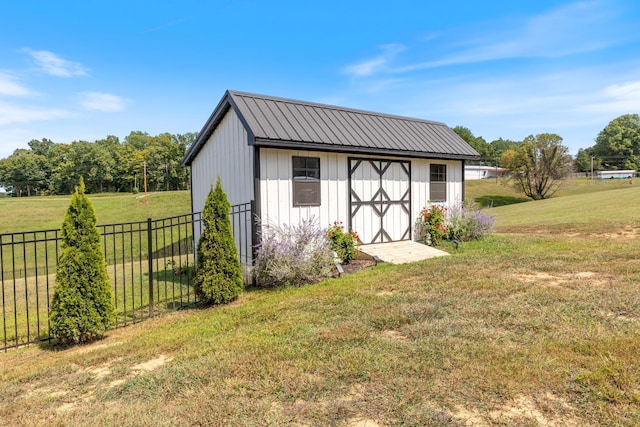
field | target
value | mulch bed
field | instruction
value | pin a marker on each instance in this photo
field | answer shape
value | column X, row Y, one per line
column 357, row 265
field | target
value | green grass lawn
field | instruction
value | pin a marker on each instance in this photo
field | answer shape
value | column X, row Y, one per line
column 607, row 213
column 535, row 325
column 47, row 212
column 494, row 193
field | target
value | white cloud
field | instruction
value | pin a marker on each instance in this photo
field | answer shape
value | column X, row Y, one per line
column 9, row 87
column 12, row 113
column 570, row 29
column 630, row 90
column 52, row 64
column 103, row 101
column 376, row 64
column 617, row 98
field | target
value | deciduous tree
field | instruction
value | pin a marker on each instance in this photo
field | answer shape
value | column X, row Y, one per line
column 538, row 166
column 620, row 140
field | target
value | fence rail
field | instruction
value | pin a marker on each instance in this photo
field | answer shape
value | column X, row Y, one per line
column 151, row 266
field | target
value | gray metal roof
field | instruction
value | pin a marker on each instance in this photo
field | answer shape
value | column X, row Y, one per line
column 286, row 123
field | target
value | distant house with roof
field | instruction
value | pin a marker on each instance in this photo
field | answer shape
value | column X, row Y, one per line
column 373, row 172
column 483, row 171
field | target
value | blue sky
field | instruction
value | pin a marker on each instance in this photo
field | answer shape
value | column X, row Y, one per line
column 82, row 70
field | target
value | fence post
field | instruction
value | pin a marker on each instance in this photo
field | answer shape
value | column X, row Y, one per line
column 150, row 259
column 254, row 232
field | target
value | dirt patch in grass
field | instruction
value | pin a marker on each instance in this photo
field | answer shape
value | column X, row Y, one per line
column 619, row 317
column 564, row 280
column 81, row 385
column 394, row 335
column 626, row 233
column 94, row 347
column 360, row 422
column 546, row 410
column 151, row 365
column 135, row 370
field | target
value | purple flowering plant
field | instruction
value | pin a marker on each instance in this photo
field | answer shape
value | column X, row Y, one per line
column 293, row 255
column 467, row 223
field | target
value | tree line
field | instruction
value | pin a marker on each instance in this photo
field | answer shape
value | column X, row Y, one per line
column 617, row 147
column 106, row 165
column 490, row 152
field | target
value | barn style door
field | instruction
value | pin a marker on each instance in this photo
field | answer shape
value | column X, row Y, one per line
column 380, row 199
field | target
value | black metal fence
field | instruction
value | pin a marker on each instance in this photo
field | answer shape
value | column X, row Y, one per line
column 151, row 265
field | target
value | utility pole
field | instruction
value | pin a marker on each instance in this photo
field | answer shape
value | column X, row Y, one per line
column 144, row 167
column 591, row 170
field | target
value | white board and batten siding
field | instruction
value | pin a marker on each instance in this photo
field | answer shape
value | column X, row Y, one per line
column 228, row 155
column 276, row 190
column 420, row 183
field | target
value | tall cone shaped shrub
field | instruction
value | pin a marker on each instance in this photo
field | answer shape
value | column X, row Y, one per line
column 82, row 308
column 218, row 275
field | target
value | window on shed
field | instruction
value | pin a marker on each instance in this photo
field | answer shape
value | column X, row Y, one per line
column 438, row 183
column 306, row 181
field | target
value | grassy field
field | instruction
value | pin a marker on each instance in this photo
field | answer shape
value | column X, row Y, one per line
column 537, row 324
column 47, row 213
column 491, row 192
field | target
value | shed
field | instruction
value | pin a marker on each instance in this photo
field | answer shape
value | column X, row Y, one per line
column 373, row 172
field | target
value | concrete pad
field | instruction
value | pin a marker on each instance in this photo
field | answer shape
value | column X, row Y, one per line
column 401, row 252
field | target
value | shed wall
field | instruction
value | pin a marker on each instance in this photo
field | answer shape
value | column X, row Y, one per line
column 276, row 189
column 420, row 183
column 228, row 155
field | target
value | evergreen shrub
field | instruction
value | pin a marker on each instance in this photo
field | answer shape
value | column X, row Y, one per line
column 218, row 277
column 82, row 308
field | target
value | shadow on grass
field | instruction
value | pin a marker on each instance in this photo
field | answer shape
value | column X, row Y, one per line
column 53, row 345
column 492, row 201
column 178, row 275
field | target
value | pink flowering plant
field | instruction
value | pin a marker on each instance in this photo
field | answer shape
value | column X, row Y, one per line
column 431, row 225
column 343, row 243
